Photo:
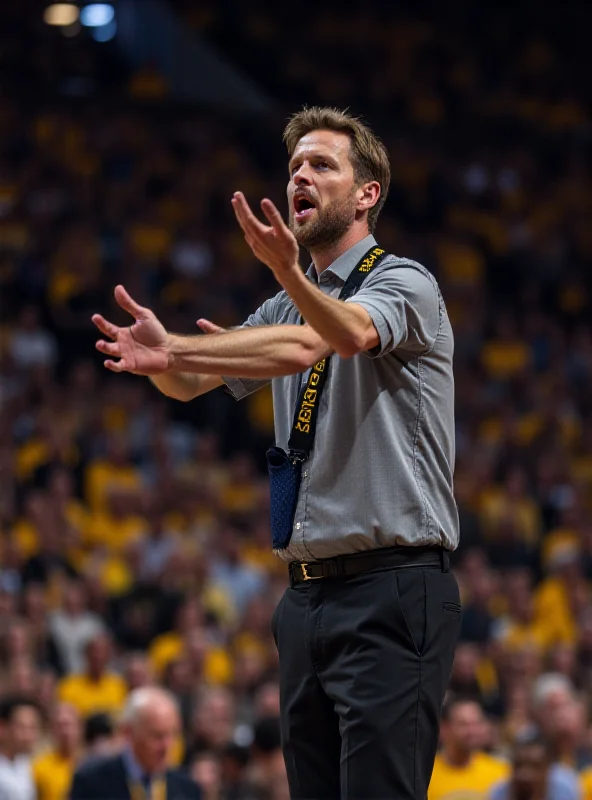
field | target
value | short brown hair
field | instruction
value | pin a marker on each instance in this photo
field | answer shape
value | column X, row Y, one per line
column 368, row 154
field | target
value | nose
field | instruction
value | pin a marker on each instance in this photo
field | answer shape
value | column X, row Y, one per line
column 303, row 176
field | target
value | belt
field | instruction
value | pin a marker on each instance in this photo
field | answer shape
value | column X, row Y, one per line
column 369, row 561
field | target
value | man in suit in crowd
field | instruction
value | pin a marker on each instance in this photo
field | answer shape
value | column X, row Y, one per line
column 151, row 724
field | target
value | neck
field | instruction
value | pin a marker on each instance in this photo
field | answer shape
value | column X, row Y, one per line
column 458, row 758
column 9, row 752
column 325, row 256
column 566, row 750
column 533, row 793
column 139, row 763
column 67, row 751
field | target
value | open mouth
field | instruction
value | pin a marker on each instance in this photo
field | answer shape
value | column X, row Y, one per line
column 303, row 207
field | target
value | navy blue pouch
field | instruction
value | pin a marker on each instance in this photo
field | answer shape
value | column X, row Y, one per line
column 284, row 484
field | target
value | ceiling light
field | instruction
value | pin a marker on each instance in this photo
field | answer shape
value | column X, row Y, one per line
column 60, row 14
column 97, row 15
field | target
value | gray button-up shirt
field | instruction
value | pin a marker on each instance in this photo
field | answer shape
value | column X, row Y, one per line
column 381, row 468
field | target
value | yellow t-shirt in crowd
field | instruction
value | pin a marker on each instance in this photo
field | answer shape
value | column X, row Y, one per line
column 473, row 782
column 101, row 476
column 552, row 606
column 518, row 635
column 53, row 774
column 115, row 533
column 504, row 359
column 91, row 697
column 586, row 783
column 167, row 647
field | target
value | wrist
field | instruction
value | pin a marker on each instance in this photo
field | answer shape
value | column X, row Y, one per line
column 171, row 350
column 291, row 277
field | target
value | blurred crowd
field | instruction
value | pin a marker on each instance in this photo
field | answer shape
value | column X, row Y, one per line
column 134, row 543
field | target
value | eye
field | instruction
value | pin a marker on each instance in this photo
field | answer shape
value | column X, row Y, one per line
column 294, row 169
column 322, row 165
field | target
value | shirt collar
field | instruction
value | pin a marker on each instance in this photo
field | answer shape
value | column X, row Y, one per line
column 346, row 262
column 133, row 770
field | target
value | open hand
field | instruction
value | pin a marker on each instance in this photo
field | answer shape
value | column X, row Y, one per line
column 274, row 244
column 142, row 348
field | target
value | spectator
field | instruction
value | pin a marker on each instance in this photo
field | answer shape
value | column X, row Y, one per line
column 53, row 771
column 99, row 735
column 239, row 581
column 462, row 765
column 50, row 565
column 150, row 725
column 521, row 625
column 264, row 751
column 73, row 626
column 20, row 727
column 213, row 723
column 234, row 760
column 97, row 688
column 157, row 547
column 534, row 777
column 138, row 672
column 31, row 345
column 189, row 639
column 207, row 773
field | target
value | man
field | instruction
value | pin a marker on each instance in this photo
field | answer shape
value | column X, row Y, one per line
column 138, row 671
column 151, row 725
column 535, row 778
column 97, row 688
column 100, row 736
column 53, row 770
column 264, row 749
column 462, row 768
column 364, row 514
column 20, row 727
column 73, row 626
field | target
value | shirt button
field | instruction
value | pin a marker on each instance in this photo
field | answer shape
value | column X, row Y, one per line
column 305, row 474
column 298, row 526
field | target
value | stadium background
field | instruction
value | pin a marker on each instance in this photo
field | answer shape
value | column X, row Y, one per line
column 134, row 534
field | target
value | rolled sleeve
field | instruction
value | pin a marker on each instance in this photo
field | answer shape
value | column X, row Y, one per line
column 268, row 313
column 405, row 307
column 242, row 387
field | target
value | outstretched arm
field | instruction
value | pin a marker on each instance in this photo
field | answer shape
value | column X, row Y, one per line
column 146, row 348
column 187, row 386
column 346, row 327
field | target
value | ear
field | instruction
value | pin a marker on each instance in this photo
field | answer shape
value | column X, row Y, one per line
column 368, row 195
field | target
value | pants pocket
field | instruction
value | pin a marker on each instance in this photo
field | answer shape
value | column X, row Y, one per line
column 410, row 596
column 275, row 617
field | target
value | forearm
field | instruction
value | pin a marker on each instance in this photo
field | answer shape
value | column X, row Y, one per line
column 346, row 327
column 267, row 351
column 185, row 386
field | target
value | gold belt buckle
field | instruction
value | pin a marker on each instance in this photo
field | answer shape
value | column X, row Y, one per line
column 306, row 576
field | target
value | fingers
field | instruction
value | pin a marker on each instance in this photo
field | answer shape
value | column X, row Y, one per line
column 109, row 348
column 274, row 217
column 246, row 219
column 106, row 327
column 208, row 327
column 116, row 366
column 129, row 304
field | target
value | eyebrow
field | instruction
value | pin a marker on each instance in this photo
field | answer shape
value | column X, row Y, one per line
column 329, row 159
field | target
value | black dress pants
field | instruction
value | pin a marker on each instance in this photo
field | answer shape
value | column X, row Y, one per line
column 364, row 665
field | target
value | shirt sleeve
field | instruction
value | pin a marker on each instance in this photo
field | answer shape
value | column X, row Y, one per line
column 267, row 314
column 405, row 307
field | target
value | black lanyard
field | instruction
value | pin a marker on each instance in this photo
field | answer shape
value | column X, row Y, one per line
column 307, row 407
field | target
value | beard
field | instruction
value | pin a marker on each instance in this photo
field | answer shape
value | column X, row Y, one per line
column 328, row 225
